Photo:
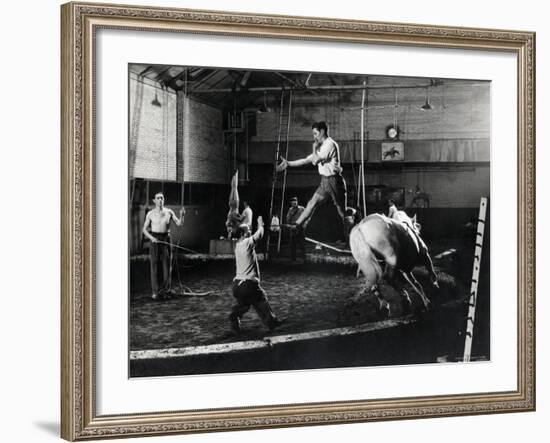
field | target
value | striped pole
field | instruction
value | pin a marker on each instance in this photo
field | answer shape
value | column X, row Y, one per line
column 475, row 280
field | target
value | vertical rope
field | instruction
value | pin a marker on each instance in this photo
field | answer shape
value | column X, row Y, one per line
column 165, row 132
column 183, row 116
column 363, row 147
column 247, row 136
column 234, row 133
column 359, row 185
column 285, row 171
column 274, row 178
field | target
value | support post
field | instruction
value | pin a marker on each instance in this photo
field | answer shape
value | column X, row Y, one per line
column 363, row 147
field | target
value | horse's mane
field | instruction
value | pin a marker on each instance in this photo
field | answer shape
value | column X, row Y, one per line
column 403, row 217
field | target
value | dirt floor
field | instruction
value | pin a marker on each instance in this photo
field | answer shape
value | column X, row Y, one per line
column 322, row 294
column 293, row 292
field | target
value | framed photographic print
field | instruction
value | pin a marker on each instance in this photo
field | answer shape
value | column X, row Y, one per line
column 241, row 228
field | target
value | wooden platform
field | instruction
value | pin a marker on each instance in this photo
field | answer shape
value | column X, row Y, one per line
column 268, row 342
column 222, row 246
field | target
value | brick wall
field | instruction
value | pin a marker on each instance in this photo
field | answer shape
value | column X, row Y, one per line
column 205, row 160
column 460, row 112
column 152, row 131
column 447, row 150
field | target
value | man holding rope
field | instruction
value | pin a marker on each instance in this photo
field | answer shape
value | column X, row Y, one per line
column 157, row 229
column 326, row 156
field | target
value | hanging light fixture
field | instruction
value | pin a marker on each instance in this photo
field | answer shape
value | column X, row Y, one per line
column 155, row 101
column 427, row 106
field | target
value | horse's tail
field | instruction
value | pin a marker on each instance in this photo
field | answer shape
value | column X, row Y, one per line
column 365, row 256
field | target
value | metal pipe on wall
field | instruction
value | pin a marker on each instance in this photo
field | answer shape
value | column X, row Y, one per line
column 313, row 88
column 328, row 87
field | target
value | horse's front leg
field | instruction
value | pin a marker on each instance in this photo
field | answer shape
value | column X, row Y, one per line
column 431, row 271
column 406, row 302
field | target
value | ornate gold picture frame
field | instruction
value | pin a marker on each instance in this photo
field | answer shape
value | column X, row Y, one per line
column 80, row 23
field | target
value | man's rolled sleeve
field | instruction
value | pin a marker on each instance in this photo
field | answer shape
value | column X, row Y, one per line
column 258, row 235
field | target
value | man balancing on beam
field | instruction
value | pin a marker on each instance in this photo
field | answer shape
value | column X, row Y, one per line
column 246, row 284
column 157, row 229
column 326, row 156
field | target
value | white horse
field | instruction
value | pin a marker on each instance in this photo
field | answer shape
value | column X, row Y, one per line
column 391, row 248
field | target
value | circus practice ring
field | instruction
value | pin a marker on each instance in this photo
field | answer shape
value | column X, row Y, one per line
column 330, row 320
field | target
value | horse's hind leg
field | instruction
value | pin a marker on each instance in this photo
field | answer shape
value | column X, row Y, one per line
column 383, row 305
column 409, row 277
column 396, row 280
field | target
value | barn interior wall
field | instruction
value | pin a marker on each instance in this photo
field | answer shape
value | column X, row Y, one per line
column 152, row 128
column 447, row 149
column 447, row 154
column 462, row 150
column 449, row 185
column 202, row 162
column 454, row 192
column 205, row 158
column 459, row 112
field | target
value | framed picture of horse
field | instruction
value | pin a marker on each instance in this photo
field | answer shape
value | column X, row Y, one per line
column 393, row 151
column 238, row 211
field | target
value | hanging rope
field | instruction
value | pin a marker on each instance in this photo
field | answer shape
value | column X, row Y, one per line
column 395, row 111
column 363, row 96
column 183, row 289
column 177, row 246
column 274, row 178
column 183, row 180
column 359, row 187
column 286, row 170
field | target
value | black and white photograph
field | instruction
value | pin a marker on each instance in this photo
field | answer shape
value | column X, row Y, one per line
column 306, row 220
column 276, row 221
